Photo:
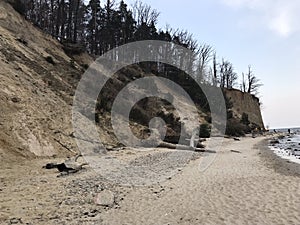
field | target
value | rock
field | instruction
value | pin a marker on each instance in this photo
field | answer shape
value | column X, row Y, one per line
column 15, row 221
column 109, row 148
column 274, row 142
column 105, row 198
column 15, row 99
column 200, row 145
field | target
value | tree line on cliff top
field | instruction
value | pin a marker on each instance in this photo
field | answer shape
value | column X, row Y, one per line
column 102, row 26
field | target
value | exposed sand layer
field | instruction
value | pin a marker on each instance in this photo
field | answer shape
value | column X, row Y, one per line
column 240, row 187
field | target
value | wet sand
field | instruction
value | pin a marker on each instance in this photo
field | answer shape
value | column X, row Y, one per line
column 279, row 165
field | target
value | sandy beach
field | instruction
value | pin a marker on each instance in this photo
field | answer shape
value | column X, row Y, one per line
column 246, row 184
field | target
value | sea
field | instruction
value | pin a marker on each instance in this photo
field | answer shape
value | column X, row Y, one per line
column 289, row 144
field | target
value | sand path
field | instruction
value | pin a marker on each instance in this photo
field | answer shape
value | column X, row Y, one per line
column 236, row 189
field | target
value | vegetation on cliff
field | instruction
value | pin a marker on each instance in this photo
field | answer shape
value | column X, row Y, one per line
column 101, row 26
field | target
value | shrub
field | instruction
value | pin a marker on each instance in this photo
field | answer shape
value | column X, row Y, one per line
column 72, row 63
column 236, row 128
column 205, row 130
column 85, row 66
column 245, row 119
column 229, row 114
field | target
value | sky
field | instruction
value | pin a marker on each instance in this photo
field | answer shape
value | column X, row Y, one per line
column 261, row 33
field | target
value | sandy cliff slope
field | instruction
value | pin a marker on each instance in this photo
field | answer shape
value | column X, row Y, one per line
column 37, row 84
column 35, row 95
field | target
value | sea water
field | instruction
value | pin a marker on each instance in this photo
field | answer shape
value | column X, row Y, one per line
column 288, row 147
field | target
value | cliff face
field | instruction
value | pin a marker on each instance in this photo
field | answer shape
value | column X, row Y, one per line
column 37, row 84
column 245, row 103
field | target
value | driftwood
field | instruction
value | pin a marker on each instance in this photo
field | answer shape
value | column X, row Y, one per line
column 178, row 146
column 69, row 166
column 235, row 151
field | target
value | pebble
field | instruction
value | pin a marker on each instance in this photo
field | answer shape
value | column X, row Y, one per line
column 15, row 221
column 15, row 99
column 105, row 198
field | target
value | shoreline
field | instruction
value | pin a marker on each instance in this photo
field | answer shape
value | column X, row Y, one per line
column 278, row 164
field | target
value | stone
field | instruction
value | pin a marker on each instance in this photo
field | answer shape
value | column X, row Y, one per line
column 15, row 221
column 105, row 198
column 274, row 142
column 15, row 99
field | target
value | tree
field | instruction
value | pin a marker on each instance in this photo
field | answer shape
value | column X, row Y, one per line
column 93, row 26
column 144, row 14
column 78, row 19
column 127, row 23
column 227, row 75
column 215, row 70
column 250, row 83
column 244, row 83
column 205, row 53
column 104, row 28
column 60, row 19
column 19, row 6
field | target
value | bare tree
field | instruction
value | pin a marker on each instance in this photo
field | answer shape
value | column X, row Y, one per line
column 144, row 14
column 253, row 83
column 244, row 83
column 185, row 39
column 205, row 52
column 215, row 70
column 227, row 75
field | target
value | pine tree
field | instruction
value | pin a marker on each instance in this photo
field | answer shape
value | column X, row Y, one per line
column 93, row 26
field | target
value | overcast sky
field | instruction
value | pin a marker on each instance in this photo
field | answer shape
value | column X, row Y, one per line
column 263, row 33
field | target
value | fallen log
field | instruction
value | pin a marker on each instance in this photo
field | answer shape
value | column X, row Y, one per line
column 179, row 146
column 69, row 166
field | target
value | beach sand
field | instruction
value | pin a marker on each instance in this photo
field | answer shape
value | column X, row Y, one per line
column 238, row 188
column 249, row 185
